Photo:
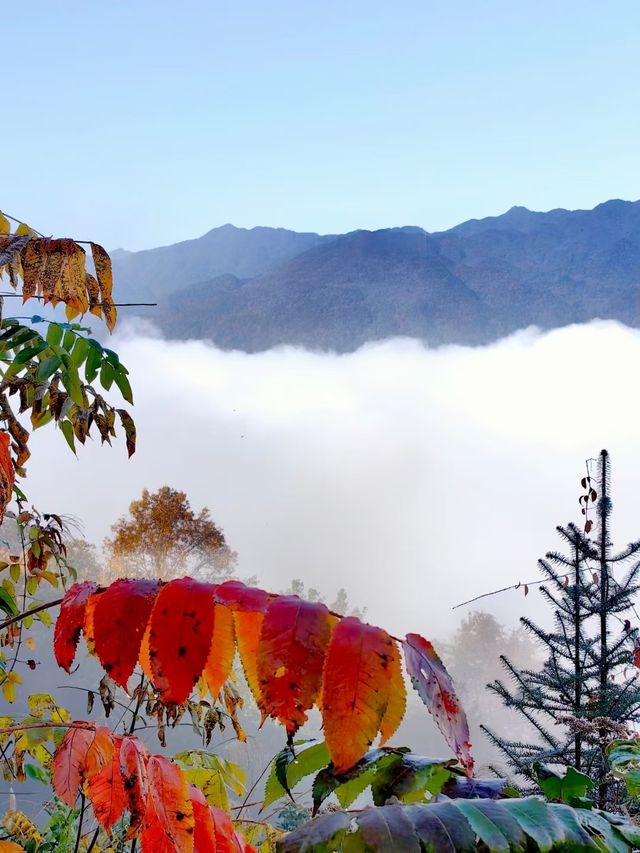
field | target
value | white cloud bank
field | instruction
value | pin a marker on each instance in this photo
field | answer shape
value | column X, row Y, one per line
column 413, row 478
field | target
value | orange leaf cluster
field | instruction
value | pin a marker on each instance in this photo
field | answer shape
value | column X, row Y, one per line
column 295, row 654
column 118, row 775
column 55, row 271
column 7, row 472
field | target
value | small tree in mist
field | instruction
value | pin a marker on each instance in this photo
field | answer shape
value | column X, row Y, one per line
column 340, row 604
column 163, row 537
column 584, row 695
column 473, row 655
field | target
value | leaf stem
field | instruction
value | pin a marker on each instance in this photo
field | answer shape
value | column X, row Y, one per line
column 83, row 803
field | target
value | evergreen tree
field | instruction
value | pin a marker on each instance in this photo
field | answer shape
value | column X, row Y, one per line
column 584, row 692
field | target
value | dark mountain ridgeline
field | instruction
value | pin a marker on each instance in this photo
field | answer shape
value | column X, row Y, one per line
column 253, row 289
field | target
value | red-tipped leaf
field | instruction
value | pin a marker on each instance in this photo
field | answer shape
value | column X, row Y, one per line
column 435, row 687
column 290, row 658
column 355, row 691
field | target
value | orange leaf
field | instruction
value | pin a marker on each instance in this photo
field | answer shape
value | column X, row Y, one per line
column 99, row 754
column 70, row 621
column 249, row 605
column 119, row 621
column 133, row 768
column 10, row 847
column 180, row 637
column 355, row 690
column 223, row 647
column 67, row 769
column 290, row 658
column 248, row 627
column 106, row 790
column 397, row 704
column 168, row 823
column 144, row 658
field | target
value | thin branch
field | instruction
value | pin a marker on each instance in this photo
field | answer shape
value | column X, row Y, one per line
column 536, row 582
column 7, row 730
column 10, row 295
column 47, row 606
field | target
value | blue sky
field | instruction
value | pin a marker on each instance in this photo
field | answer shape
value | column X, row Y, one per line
column 141, row 123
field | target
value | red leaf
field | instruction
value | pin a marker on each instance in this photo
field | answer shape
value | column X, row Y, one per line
column 204, row 835
column 67, row 769
column 223, row 648
column 435, row 687
column 237, row 596
column 168, row 822
column 133, row 769
column 7, row 472
column 180, row 637
column 290, row 658
column 120, row 617
column 70, row 622
column 106, row 790
column 355, row 691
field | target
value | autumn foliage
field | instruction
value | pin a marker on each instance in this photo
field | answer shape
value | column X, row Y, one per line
column 54, row 269
column 294, row 654
column 162, row 536
column 118, row 775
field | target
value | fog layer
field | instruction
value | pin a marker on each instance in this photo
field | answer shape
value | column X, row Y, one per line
column 413, row 478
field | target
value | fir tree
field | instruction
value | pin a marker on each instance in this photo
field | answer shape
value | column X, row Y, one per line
column 585, row 691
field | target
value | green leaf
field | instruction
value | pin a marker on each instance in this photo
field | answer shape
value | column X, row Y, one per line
column 36, row 773
column 80, row 351
column 69, row 340
column 410, row 778
column 67, row 431
column 71, row 382
column 107, row 375
column 92, row 366
column 48, row 367
column 285, row 768
column 624, row 760
column 122, row 382
column 7, row 603
column 54, row 334
column 112, row 357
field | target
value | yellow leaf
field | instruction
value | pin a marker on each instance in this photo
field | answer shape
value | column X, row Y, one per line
column 22, row 230
column 5, row 227
column 31, row 643
column 211, row 784
column 40, row 704
column 9, row 686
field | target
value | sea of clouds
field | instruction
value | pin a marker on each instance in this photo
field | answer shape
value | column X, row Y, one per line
column 414, row 478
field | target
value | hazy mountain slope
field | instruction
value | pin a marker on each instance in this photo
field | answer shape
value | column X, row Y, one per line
column 480, row 280
column 153, row 273
column 363, row 286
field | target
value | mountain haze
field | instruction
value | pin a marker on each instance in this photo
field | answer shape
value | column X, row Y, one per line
column 258, row 288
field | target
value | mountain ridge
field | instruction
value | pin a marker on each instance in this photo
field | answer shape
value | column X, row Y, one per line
column 252, row 289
